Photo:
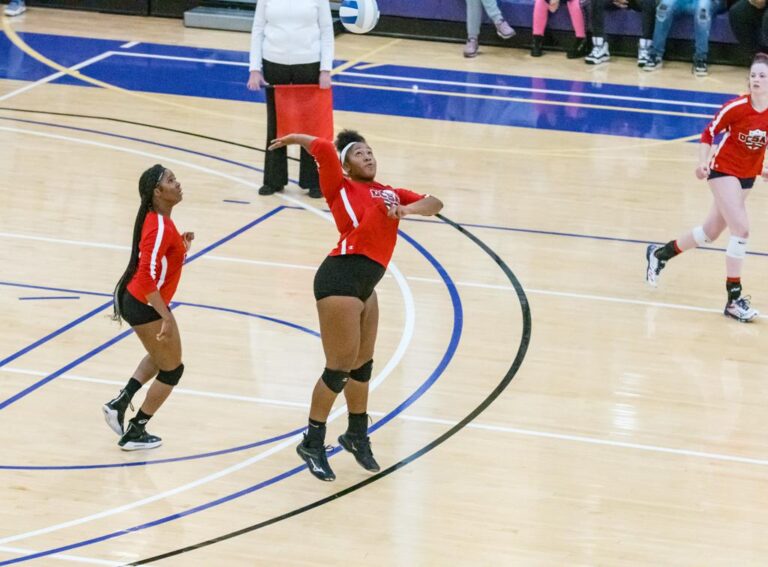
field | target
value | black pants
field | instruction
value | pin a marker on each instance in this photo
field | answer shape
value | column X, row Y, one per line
column 750, row 26
column 276, row 161
column 647, row 9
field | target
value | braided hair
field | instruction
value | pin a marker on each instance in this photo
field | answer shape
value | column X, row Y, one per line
column 147, row 183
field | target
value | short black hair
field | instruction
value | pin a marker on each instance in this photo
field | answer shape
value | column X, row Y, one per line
column 346, row 137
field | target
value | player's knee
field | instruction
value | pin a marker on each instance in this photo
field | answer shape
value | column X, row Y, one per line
column 362, row 374
column 335, row 379
column 171, row 377
column 737, row 247
column 700, row 236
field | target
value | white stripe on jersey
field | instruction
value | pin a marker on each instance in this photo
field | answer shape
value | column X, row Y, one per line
column 723, row 112
column 717, row 151
column 344, row 246
column 348, row 207
column 163, row 271
column 156, row 248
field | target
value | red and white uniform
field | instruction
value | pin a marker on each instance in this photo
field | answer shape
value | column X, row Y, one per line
column 741, row 150
column 161, row 255
column 359, row 208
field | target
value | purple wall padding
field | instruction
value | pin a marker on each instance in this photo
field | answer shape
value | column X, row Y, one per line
column 519, row 13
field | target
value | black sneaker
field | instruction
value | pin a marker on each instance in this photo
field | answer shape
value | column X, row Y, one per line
column 700, row 68
column 360, row 447
column 315, row 193
column 317, row 461
column 114, row 412
column 267, row 190
column 136, row 437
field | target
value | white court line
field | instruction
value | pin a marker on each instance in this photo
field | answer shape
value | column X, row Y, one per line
column 459, row 283
column 130, row 44
column 437, row 81
column 437, row 421
column 597, row 441
column 529, row 89
column 405, row 339
column 55, row 76
column 177, row 390
column 62, row 557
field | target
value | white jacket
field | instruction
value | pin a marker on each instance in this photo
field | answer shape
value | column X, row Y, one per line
column 292, row 32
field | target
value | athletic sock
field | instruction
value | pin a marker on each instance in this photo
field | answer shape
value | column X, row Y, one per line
column 315, row 433
column 733, row 287
column 358, row 424
column 669, row 250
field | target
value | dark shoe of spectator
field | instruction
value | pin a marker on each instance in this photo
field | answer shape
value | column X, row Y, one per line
column 471, row 47
column 537, row 49
column 599, row 53
column 315, row 193
column 700, row 68
column 504, row 30
column 654, row 63
column 267, row 190
column 579, row 48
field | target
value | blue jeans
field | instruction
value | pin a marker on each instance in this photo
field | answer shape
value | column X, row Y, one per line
column 702, row 12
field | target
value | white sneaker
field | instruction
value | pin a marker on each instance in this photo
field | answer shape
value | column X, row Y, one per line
column 15, row 8
column 643, row 52
column 654, row 266
column 599, row 54
column 741, row 310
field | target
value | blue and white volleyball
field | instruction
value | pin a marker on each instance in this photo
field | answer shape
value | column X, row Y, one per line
column 359, row 16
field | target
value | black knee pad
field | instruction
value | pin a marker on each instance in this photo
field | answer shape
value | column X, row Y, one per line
column 362, row 374
column 171, row 377
column 335, row 379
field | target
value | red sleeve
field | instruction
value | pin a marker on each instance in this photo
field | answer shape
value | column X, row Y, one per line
column 407, row 196
column 721, row 121
column 328, row 166
column 153, row 246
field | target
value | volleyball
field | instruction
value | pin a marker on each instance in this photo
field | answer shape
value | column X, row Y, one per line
column 359, row 16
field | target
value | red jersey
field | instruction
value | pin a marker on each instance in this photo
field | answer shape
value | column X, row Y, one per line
column 161, row 255
column 359, row 208
column 742, row 148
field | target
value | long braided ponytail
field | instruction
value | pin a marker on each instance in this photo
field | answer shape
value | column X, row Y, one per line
column 147, row 183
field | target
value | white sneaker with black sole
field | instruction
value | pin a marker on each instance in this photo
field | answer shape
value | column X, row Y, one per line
column 741, row 309
column 654, row 265
column 599, row 53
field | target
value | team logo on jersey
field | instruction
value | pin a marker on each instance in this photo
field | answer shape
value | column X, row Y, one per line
column 389, row 197
column 754, row 139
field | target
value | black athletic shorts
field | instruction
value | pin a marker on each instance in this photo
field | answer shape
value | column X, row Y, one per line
column 135, row 312
column 351, row 275
column 746, row 182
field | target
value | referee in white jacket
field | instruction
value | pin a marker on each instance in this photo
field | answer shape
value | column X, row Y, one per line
column 291, row 43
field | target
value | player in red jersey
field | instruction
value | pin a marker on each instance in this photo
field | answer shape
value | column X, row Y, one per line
column 141, row 299
column 367, row 215
column 731, row 168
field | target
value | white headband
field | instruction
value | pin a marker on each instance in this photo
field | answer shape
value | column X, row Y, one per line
column 343, row 154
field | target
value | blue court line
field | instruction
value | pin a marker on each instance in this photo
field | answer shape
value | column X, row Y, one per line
column 41, row 297
column 184, row 458
column 102, row 307
column 458, row 322
column 532, row 109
